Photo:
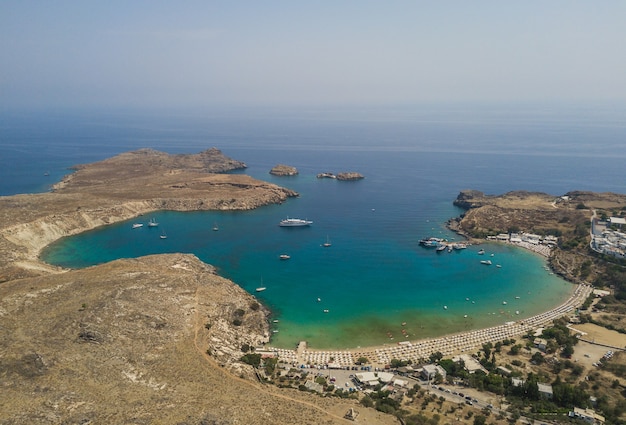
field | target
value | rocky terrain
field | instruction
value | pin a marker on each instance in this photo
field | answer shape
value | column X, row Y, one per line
column 567, row 216
column 141, row 341
column 284, row 170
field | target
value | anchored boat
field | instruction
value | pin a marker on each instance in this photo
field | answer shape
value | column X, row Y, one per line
column 294, row 222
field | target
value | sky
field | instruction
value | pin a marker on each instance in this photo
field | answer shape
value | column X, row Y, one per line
column 207, row 53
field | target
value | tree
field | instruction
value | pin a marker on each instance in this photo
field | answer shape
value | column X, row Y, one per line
column 362, row 360
column 537, row 358
column 480, row 420
column 367, row 401
column 567, row 351
column 435, row 357
column 252, row 359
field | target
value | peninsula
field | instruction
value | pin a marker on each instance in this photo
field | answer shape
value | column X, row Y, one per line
column 155, row 334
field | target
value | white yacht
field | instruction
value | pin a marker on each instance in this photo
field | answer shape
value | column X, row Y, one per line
column 294, row 222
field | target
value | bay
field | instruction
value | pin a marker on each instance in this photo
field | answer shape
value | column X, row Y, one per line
column 375, row 275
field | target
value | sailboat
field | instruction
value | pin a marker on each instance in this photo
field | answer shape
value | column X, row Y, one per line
column 215, row 228
column 261, row 288
column 152, row 223
column 327, row 243
column 163, row 235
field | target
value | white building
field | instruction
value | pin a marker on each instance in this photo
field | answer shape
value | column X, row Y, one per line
column 430, row 371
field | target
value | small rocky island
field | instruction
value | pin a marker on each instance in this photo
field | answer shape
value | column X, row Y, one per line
column 284, row 170
column 345, row 176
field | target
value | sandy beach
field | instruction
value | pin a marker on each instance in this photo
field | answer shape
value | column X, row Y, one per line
column 415, row 351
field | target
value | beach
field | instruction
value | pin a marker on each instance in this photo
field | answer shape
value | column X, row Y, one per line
column 417, row 351
column 455, row 344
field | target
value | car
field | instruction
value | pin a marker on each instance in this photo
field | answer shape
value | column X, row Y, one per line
column 475, row 401
column 468, row 398
column 468, row 402
column 490, row 406
column 462, row 395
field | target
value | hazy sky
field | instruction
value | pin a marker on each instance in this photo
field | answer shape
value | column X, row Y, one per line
column 189, row 53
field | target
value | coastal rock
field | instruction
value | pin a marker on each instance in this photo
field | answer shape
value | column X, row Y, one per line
column 469, row 199
column 349, row 176
column 327, row 175
column 284, row 170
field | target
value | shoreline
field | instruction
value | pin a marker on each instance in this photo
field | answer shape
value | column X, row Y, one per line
column 35, row 235
column 453, row 344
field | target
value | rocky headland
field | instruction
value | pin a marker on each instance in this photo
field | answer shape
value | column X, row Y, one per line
column 565, row 216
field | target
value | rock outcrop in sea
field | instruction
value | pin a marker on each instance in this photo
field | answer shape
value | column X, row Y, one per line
column 348, row 176
column 284, row 170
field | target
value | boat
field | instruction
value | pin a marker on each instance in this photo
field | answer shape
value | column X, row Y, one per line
column 503, row 302
column 486, row 262
column 260, row 289
column 441, row 247
column 445, row 307
column 326, row 311
column 163, row 235
column 294, row 222
column 481, row 252
column 215, row 228
column 137, row 225
column 431, row 242
column 459, row 246
column 152, row 223
column 284, row 257
column 498, row 265
column 327, row 243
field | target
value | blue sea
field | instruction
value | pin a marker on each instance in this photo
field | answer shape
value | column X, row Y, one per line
column 375, row 275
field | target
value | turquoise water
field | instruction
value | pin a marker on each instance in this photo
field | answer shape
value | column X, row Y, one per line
column 375, row 275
